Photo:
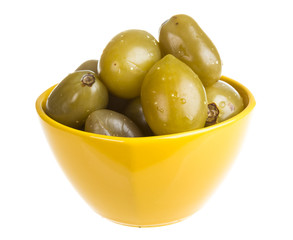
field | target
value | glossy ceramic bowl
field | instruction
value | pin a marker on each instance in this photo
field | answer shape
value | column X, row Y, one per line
column 147, row 181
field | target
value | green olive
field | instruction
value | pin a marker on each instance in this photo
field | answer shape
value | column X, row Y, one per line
column 134, row 111
column 111, row 123
column 89, row 65
column 173, row 97
column 224, row 102
column 117, row 104
column 182, row 37
column 125, row 61
column 75, row 97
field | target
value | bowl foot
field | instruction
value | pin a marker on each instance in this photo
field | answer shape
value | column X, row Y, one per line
column 146, row 225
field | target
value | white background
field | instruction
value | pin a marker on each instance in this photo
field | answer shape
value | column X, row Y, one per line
column 42, row 41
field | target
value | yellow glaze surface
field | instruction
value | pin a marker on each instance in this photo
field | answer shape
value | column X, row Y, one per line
column 147, row 181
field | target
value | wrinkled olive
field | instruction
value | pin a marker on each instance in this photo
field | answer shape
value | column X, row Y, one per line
column 173, row 97
column 89, row 65
column 182, row 37
column 134, row 111
column 125, row 61
column 224, row 102
column 75, row 97
column 111, row 123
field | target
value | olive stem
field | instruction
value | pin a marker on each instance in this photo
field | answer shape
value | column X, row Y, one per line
column 88, row 79
column 213, row 113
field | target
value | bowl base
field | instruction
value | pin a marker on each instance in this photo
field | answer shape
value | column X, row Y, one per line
column 147, row 226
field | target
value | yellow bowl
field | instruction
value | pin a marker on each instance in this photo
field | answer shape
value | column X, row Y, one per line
column 147, row 181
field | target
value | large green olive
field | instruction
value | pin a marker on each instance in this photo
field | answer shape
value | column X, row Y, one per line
column 224, row 102
column 125, row 61
column 173, row 97
column 75, row 97
column 111, row 123
column 182, row 37
column 89, row 65
column 134, row 111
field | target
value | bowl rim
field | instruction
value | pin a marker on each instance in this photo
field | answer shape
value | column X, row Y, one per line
column 250, row 105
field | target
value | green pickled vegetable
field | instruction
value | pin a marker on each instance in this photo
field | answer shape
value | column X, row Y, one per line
column 89, row 65
column 224, row 102
column 182, row 37
column 111, row 123
column 126, row 60
column 75, row 97
column 173, row 97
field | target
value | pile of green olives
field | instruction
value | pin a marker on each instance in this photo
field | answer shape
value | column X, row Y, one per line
column 143, row 87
